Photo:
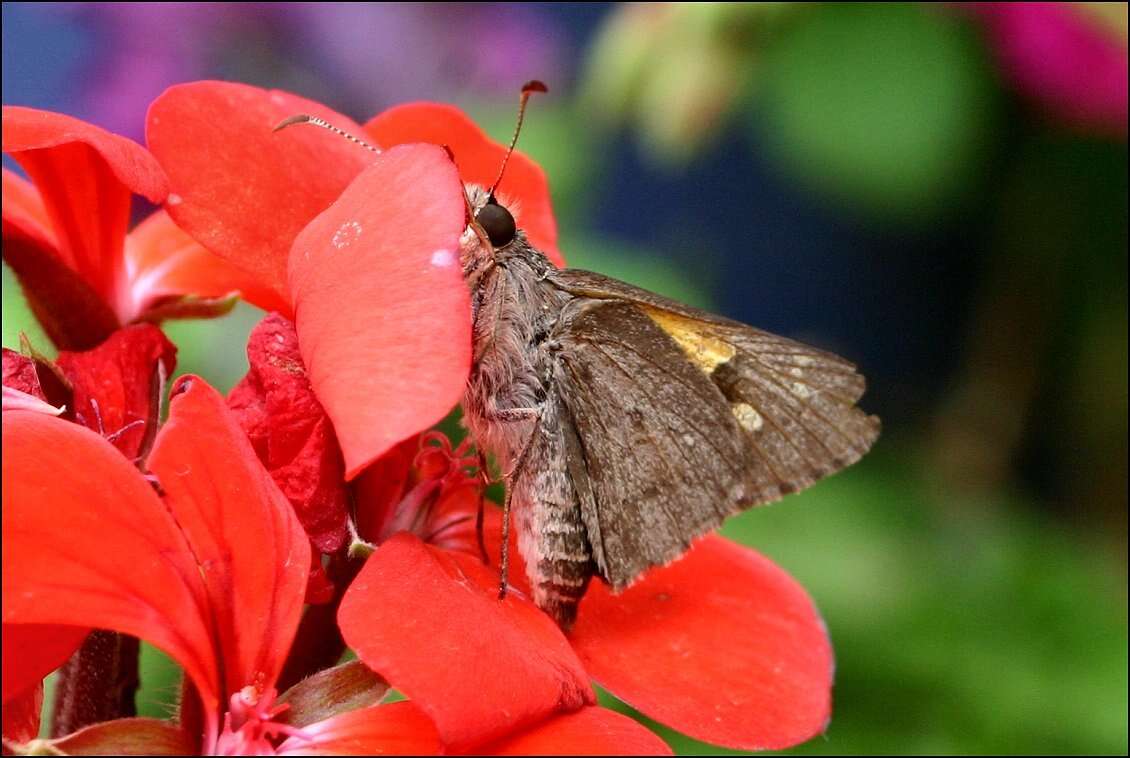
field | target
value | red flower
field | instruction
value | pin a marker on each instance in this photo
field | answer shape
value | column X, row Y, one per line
column 65, row 236
column 373, row 282
column 116, row 389
column 425, row 487
column 214, row 575
column 722, row 644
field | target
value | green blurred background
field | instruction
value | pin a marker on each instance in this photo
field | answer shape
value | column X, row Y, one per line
column 937, row 193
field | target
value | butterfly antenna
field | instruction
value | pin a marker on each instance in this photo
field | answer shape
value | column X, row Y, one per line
column 528, row 89
column 303, row 118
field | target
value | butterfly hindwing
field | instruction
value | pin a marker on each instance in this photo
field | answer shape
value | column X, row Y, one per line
column 657, row 457
column 681, row 418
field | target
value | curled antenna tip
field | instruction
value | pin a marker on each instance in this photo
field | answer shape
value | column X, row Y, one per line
column 301, row 118
column 534, row 86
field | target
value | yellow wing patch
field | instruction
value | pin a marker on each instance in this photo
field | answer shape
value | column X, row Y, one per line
column 704, row 351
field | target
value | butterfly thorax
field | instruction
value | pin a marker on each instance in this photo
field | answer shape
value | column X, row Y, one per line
column 512, row 316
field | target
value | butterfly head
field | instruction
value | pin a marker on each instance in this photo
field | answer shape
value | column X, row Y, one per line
column 494, row 221
column 491, row 229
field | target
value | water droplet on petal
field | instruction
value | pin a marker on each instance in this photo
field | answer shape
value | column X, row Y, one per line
column 174, row 199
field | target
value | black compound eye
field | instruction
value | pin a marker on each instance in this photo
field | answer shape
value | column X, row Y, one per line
column 497, row 222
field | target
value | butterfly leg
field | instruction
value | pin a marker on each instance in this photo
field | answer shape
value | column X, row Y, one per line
column 484, row 482
column 511, row 415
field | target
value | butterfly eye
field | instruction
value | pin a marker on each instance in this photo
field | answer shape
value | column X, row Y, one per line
column 497, row 222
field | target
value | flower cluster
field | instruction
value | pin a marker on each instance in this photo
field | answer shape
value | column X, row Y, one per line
column 222, row 533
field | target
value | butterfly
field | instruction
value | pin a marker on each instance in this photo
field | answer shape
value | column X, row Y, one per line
column 626, row 424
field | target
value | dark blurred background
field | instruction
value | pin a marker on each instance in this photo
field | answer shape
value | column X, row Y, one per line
column 938, row 193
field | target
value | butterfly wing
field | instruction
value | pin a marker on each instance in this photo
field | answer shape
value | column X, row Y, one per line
column 682, row 418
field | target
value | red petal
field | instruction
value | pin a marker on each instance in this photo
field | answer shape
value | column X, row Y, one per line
column 393, row 729
column 291, row 433
column 380, row 487
column 430, row 622
column 589, row 731
column 132, row 165
column 239, row 188
column 419, row 487
column 32, row 651
column 721, row 645
column 23, row 208
column 120, row 383
column 165, row 262
column 479, row 158
column 252, row 551
column 383, row 313
column 85, row 176
column 74, row 315
column 87, row 543
column 21, row 716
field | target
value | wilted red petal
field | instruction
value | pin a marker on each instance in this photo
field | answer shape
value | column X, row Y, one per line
column 88, row 543
column 21, row 715
column 383, row 313
column 74, row 315
column 19, row 373
column 430, row 622
column 241, row 189
column 721, row 645
column 164, row 262
column 479, row 158
column 393, row 729
column 252, row 551
column 290, row 432
column 85, row 176
column 32, row 651
column 119, row 384
column 589, row 731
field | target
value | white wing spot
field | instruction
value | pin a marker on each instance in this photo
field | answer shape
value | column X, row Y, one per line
column 798, row 373
column 443, row 259
column 346, row 234
column 748, row 417
column 801, row 390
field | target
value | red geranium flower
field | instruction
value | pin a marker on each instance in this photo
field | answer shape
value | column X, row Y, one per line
column 722, row 644
column 65, row 235
column 213, row 572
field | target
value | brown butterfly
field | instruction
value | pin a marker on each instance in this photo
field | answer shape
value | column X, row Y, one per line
column 626, row 424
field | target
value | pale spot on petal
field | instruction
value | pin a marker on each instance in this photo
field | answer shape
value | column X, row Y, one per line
column 346, row 234
column 443, row 258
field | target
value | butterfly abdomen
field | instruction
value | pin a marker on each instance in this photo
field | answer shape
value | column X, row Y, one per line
column 551, row 533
